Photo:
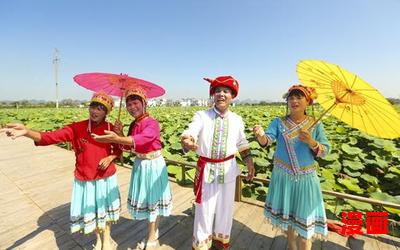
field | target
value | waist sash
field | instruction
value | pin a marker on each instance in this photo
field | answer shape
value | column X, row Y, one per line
column 198, row 179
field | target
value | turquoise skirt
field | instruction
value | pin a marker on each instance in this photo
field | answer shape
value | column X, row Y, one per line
column 296, row 201
column 94, row 203
column 149, row 191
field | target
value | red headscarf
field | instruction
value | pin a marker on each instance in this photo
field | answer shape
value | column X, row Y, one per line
column 226, row 81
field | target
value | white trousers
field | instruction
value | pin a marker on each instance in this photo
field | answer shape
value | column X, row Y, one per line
column 216, row 209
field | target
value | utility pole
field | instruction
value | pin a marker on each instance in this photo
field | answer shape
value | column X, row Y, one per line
column 56, row 60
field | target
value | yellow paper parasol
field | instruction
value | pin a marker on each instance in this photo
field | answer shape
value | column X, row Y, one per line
column 350, row 99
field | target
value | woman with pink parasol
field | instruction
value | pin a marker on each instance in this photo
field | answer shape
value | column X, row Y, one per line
column 149, row 191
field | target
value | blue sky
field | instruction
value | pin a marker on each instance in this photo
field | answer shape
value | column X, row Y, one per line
column 176, row 43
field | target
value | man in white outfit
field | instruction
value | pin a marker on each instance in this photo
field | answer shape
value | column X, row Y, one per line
column 216, row 135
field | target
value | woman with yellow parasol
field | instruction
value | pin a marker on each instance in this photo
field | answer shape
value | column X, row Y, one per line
column 294, row 202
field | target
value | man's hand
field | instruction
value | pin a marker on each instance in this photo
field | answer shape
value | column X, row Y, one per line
column 250, row 170
column 188, row 143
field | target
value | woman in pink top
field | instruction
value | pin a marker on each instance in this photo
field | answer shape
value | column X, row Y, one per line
column 149, row 191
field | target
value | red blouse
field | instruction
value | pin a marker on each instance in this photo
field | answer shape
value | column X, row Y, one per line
column 88, row 152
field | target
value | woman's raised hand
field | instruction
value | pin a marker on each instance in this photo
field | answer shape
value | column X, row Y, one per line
column 258, row 131
column 14, row 130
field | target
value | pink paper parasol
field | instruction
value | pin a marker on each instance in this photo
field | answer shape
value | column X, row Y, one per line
column 116, row 85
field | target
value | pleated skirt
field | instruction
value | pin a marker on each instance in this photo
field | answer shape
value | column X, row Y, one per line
column 149, row 192
column 94, row 203
column 296, row 201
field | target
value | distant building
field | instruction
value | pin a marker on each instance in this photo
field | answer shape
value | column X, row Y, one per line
column 185, row 103
column 152, row 103
column 201, row 102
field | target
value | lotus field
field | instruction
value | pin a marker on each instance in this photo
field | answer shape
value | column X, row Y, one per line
column 358, row 164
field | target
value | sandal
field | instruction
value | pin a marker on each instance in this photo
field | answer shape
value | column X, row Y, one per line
column 144, row 244
column 156, row 234
column 95, row 247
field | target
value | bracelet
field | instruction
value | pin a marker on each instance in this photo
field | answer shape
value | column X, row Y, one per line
column 315, row 147
column 262, row 134
column 266, row 144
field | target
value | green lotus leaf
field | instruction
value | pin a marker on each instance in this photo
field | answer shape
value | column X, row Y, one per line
column 328, row 174
column 351, row 184
column 331, row 208
column 338, row 188
column 191, row 156
column 176, row 157
column 331, row 157
column 174, row 139
column 395, row 169
column 166, row 153
column 255, row 152
column 385, row 144
column 378, row 162
column 388, row 198
column 391, row 176
column 351, row 150
column 328, row 185
column 362, row 156
column 246, row 191
column 370, row 179
column 360, row 205
column 261, row 190
column 243, row 167
column 189, row 176
column 353, row 140
column 337, row 206
column 261, row 162
column 390, row 147
column 351, row 173
column 396, row 154
column 353, row 165
column 375, row 155
column 174, row 170
column 328, row 197
column 340, row 129
column 371, row 189
column 176, row 146
column 335, row 166
column 254, row 145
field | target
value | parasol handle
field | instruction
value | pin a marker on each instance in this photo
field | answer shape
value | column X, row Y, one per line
column 119, row 109
column 121, row 158
column 324, row 113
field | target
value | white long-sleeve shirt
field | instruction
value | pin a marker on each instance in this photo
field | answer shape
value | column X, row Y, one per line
column 218, row 136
